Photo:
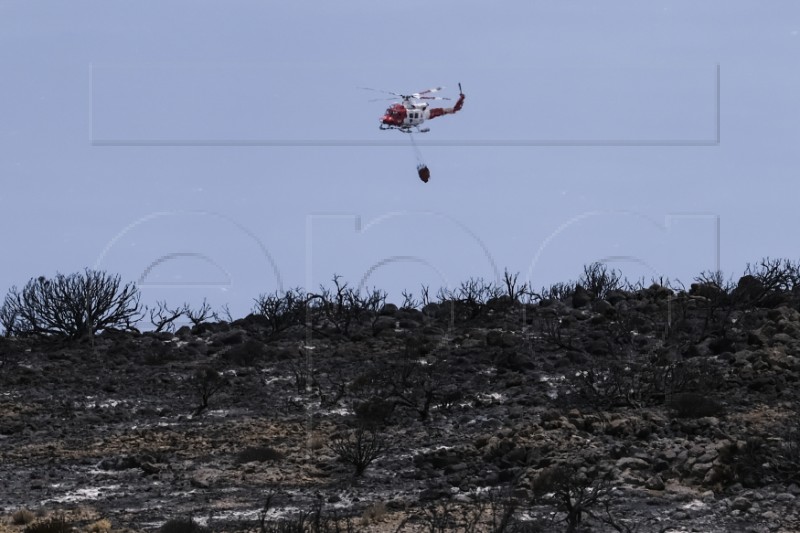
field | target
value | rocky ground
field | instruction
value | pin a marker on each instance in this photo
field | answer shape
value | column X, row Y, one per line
column 645, row 410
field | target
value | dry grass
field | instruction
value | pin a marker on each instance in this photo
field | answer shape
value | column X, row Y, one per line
column 22, row 517
column 100, row 526
column 374, row 514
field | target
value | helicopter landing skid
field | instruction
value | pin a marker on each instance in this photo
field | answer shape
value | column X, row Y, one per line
column 405, row 129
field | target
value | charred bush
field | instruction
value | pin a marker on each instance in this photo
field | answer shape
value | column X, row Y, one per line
column 200, row 315
column 74, row 306
column 163, row 318
column 313, row 520
column 787, row 458
column 282, row 310
column 572, row 492
column 717, row 300
column 598, row 279
column 556, row 331
column 514, row 290
column 302, row 369
column 359, row 447
column 342, row 307
column 746, row 462
column 646, row 382
column 768, row 283
column 694, row 405
column 469, row 300
column 206, row 382
column 558, row 292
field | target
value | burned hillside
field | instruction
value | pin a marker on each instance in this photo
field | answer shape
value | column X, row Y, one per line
column 596, row 405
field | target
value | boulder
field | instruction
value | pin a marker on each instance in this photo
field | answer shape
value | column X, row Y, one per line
column 655, row 483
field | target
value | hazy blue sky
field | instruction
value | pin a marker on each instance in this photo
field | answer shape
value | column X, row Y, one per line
column 222, row 149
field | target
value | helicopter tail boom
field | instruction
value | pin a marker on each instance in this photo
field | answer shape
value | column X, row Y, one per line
column 439, row 111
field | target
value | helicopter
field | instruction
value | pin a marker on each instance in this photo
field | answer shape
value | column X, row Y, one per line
column 411, row 111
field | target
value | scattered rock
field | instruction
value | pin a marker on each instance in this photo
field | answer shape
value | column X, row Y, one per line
column 741, row 504
column 655, row 483
column 633, row 463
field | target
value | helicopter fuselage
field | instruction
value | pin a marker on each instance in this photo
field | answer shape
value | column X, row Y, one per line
column 405, row 116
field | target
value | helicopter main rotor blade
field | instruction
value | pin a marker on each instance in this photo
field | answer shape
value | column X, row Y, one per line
column 431, row 98
column 427, row 91
column 380, row 91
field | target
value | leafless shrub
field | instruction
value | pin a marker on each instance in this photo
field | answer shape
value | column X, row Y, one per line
column 710, row 282
column 425, row 295
column 513, row 289
column 611, row 387
column 787, row 458
column 598, row 279
column 446, row 517
column 557, row 292
column 469, row 299
column 769, row 283
column 415, row 386
column 716, row 299
column 493, row 512
column 359, row 447
column 303, row 371
column 342, row 306
column 645, row 382
column 313, row 520
column 554, row 330
column 334, row 389
column 406, row 380
column 202, row 314
column 225, row 313
column 206, row 382
column 572, row 492
column 282, row 310
column 163, row 318
column 8, row 319
column 409, row 301
column 75, row 305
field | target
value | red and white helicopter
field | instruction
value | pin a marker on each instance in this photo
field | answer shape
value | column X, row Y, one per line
column 412, row 111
